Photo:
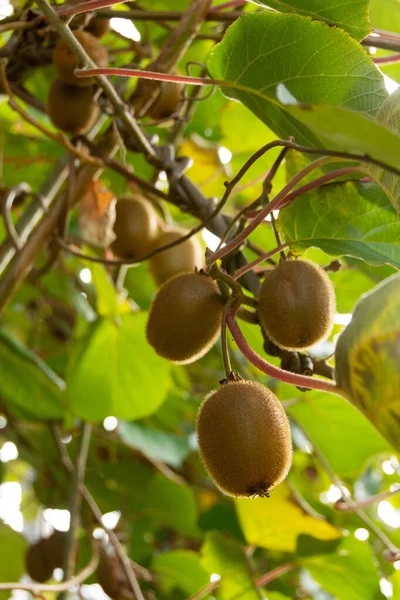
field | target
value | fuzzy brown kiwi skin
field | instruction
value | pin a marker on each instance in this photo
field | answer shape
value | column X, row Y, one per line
column 185, row 318
column 98, row 27
column 136, row 228
column 65, row 61
column 244, row 439
column 297, row 304
column 165, row 104
column 70, row 108
column 38, row 566
column 182, row 258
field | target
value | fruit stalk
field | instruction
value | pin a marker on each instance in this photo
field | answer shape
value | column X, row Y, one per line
column 276, row 372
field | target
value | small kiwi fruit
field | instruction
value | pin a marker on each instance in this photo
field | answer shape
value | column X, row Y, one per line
column 38, row 565
column 185, row 318
column 65, row 61
column 297, row 304
column 184, row 257
column 165, row 103
column 54, row 548
column 98, row 27
column 136, row 227
column 244, row 439
column 71, row 108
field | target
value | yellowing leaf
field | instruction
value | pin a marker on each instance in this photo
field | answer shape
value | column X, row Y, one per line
column 276, row 522
column 368, row 358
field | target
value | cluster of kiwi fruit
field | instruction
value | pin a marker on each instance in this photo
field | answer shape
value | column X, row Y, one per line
column 45, row 555
column 71, row 103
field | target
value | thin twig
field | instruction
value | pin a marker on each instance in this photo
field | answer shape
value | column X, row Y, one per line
column 96, row 512
column 237, row 274
column 36, row 588
column 74, row 504
column 343, row 506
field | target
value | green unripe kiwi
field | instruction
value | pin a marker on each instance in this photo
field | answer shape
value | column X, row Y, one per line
column 70, row 108
column 136, row 227
column 65, row 61
column 182, row 258
column 297, row 304
column 185, row 318
column 38, row 565
column 244, row 439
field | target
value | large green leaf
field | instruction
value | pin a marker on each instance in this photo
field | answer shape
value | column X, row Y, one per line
column 114, row 371
column 12, row 556
column 350, row 16
column 28, row 387
column 314, row 62
column 389, row 117
column 355, row 219
column 171, row 504
column 276, row 522
column 180, row 569
column 350, row 573
column 168, row 447
column 368, row 357
column 223, row 555
column 333, row 426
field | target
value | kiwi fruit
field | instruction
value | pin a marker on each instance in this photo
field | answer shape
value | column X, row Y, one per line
column 244, row 439
column 65, row 61
column 136, row 227
column 71, row 109
column 54, row 548
column 185, row 318
column 98, row 27
column 109, row 575
column 182, row 258
column 297, row 304
column 165, row 103
column 38, row 565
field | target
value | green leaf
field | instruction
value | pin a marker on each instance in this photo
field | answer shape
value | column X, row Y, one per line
column 171, row 504
column 107, row 297
column 354, row 219
column 368, row 356
column 114, row 371
column 180, row 569
column 276, row 522
column 349, row 574
column 344, row 130
column 314, row 62
column 352, row 17
column 168, row 447
column 224, row 556
column 28, row 386
column 12, row 566
column 389, row 116
column 333, row 426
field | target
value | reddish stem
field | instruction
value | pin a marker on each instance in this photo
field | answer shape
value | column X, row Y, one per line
column 249, row 267
column 274, row 574
column 231, row 4
column 148, row 75
column 387, row 60
column 276, row 372
column 273, row 205
column 88, row 6
column 318, row 182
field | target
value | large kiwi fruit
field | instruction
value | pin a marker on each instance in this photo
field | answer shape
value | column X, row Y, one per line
column 71, row 108
column 244, row 439
column 136, row 227
column 38, row 566
column 297, row 304
column 185, row 318
column 165, row 104
column 65, row 61
column 182, row 258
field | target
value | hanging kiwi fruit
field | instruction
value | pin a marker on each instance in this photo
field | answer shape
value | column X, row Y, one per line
column 135, row 227
column 65, row 60
column 71, row 109
column 244, row 439
column 182, row 258
column 45, row 555
column 185, row 318
column 297, row 304
column 169, row 95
